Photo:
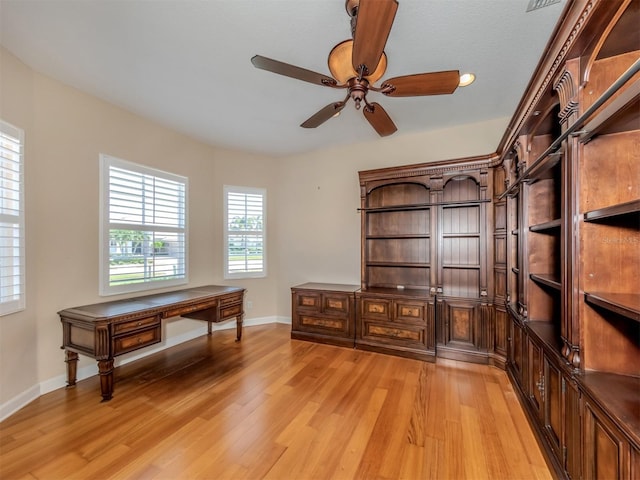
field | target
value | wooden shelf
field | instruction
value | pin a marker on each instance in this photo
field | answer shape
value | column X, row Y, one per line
column 408, row 236
column 621, row 114
column 618, row 396
column 399, row 292
column 461, row 235
column 626, row 304
column 399, row 264
column 462, row 266
column 548, row 333
column 423, row 206
column 613, row 211
column 546, row 227
column 546, row 279
column 544, row 169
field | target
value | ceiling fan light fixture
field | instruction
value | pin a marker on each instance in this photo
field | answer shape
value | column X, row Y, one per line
column 341, row 67
column 466, row 79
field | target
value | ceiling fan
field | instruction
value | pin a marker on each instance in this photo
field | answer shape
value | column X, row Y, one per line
column 358, row 63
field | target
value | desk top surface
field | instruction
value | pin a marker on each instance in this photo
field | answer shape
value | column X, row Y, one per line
column 151, row 303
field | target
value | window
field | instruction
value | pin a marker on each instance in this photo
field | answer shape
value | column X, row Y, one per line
column 244, row 233
column 143, row 227
column 12, row 246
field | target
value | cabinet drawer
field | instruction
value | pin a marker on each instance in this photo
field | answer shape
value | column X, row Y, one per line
column 335, row 303
column 136, row 340
column 230, row 311
column 411, row 312
column 133, row 325
column 376, row 308
column 323, row 324
column 394, row 334
column 308, row 301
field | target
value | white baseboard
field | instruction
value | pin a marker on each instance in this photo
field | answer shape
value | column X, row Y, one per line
column 9, row 408
column 19, row 401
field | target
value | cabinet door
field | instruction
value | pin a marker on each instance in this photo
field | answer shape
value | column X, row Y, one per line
column 535, row 376
column 460, row 324
column 606, row 452
column 517, row 350
column 553, row 403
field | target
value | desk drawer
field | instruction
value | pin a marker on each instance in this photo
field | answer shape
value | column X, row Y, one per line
column 136, row 340
column 230, row 311
column 231, row 299
column 176, row 312
column 133, row 325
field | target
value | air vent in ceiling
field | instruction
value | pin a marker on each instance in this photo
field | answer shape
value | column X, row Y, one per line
column 536, row 4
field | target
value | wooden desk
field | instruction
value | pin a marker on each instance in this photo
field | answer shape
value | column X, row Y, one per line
column 105, row 330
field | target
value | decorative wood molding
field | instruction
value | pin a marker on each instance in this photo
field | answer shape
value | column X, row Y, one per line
column 547, row 68
column 566, row 86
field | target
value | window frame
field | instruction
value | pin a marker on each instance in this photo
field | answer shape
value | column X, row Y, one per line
column 246, row 191
column 18, row 304
column 105, row 289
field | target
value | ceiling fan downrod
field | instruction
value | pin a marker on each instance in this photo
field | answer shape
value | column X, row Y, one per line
column 352, row 10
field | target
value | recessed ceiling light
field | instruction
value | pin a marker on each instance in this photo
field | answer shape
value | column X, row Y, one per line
column 466, row 79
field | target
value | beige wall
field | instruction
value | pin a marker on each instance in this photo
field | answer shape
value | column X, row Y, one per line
column 318, row 209
column 313, row 230
column 65, row 131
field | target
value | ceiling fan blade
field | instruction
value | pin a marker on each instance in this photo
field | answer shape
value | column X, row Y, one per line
column 379, row 119
column 434, row 83
column 323, row 115
column 292, row 71
column 373, row 24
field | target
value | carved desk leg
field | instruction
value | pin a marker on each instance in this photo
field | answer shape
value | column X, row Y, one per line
column 239, row 327
column 105, row 367
column 71, row 359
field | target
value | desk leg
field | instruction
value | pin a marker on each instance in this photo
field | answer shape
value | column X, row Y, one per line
column 239, row 328
column 71, row 359
column 105, row 367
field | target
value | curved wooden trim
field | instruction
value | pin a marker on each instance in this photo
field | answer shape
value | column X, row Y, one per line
column 602, row 40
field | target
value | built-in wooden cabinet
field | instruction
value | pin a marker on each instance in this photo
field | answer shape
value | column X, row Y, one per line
column 400, row 323
column 425, row 235
column 572, row 195
column 323, row 312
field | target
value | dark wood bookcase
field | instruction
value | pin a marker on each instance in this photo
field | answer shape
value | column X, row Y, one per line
column 572, row 195
column 425, row 261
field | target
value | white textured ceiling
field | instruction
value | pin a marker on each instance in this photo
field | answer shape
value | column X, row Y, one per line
column 186, row 63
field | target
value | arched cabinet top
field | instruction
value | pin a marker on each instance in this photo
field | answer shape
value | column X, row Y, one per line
column 397, row 193
column 461, row 187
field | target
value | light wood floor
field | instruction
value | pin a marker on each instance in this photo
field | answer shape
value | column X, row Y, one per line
column 270, row 407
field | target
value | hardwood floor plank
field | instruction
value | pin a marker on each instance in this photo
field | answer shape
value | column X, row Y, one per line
column 272, row 407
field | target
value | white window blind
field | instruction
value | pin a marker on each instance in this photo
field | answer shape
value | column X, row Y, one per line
column 245, row 216
column 144, row 234
column 12, row 246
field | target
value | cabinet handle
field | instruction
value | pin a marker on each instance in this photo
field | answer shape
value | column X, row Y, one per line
column 540, row 385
